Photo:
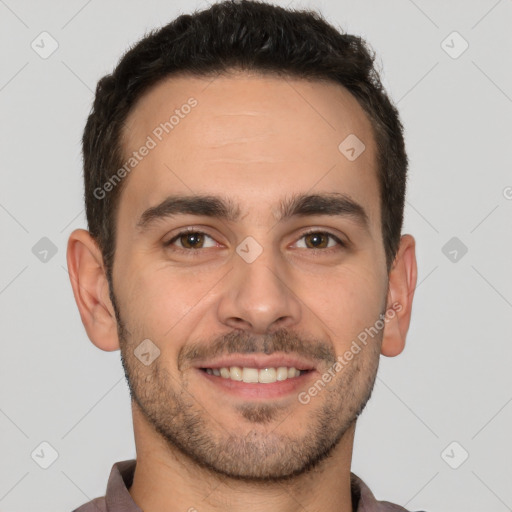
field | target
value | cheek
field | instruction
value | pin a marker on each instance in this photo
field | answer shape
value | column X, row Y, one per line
column 348, row 302
column 166, row 302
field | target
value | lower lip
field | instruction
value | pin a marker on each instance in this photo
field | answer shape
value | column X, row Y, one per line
column 257, row 390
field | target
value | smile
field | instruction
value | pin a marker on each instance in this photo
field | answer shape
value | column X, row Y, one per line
column 262, row 376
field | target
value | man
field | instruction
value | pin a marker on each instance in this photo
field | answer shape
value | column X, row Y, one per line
column 245, row 176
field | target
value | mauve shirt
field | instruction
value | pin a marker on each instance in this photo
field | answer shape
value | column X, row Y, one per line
column 118, row 499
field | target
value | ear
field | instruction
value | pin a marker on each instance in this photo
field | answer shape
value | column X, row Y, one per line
column 91, row 290
column 402, row 283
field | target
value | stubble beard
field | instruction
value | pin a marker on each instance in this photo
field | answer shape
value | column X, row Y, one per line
column 262, row 453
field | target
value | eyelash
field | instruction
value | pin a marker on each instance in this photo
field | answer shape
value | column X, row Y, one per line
column 196, row 252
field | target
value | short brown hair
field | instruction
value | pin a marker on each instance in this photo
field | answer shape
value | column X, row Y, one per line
column 244, row 35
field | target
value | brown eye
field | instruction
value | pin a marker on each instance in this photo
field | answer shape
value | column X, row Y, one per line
column 190, row 240
column 317, row 240
column 320, row 240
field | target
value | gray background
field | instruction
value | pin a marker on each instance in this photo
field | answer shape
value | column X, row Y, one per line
column 453, row 382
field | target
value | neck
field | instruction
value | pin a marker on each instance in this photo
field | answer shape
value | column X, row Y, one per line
column 167, row 480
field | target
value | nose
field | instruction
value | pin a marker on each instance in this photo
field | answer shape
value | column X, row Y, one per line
column 259, row 296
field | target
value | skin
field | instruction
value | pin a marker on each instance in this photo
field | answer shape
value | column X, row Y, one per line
column 256, row 140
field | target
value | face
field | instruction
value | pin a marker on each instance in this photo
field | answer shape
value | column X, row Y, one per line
column 265, row 266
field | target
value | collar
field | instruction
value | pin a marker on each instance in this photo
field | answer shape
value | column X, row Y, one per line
column 118, row 498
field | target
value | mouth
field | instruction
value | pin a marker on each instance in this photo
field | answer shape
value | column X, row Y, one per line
column 252, row 375
column 257, row 377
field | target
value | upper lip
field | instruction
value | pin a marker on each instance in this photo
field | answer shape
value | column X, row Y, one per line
column 259, row 361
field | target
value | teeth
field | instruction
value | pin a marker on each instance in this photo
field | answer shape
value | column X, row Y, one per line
column 235, row 372
column 267, row 375
column 250, row 375
column 282, row 373
column 264, row 376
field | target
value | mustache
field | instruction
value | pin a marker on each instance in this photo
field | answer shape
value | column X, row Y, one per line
column 243, row 342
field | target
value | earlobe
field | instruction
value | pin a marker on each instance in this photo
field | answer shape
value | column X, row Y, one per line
column 402, row 284
column 91, row 290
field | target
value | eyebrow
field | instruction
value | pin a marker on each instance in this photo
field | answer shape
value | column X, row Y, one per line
column 298, row 205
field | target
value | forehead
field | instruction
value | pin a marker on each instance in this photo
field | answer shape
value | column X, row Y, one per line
column 250, row 136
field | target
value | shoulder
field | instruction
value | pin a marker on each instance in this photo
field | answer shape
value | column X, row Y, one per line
column 366, row 501
column 95, row 505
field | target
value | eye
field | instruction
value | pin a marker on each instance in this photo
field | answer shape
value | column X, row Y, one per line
column 320, row 240
column 190, row 239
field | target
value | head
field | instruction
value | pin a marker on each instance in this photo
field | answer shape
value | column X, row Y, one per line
column 266, row 134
